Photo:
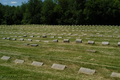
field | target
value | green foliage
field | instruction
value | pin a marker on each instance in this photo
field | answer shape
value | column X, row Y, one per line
column 70, row 12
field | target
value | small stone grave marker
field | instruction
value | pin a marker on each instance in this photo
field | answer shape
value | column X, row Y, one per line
column 66, row 40
column 34, row 45
column 118, row 43
column 21, row 39
column 14, row 39
column 55, row 40
column 4, row 38
column 91, row 42
column 58, row 66
column 24, row 35
column 29, row 39
column 44, row 36
column 19, row 61
column 5, row 58
column 86, row 71
column 78, row 40
column 8, row 38
column 37, row 40
column 31, row 36
column 35, row 63
column 114, row 74
column 105, row 43
column 52, row 36
column 46, row 41
column 60, row 37
column 26, row 44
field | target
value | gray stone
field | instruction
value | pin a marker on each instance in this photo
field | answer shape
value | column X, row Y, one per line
column 5, row 58
column 8, row 38
column 19, row 61
column 37, row 40
column 46, row 41
column 55, row 40
column 114, row 74
column 35, row 63
column 66, row 40
column 26, row 44
column 24, row 35
column 21, row 39
column 14, row 39
column 91, row 42
column 4, row 38
column 44, row 36
column 34, row 45
column 60, row 37
column 52, row 36
column 118, row 43
column 78, row 40
column 58, row 66
column 31, row 36
column 29, row 39
column 86, row 71
column 105, row 43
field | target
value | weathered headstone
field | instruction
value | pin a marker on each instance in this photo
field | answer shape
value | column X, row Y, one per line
column 58, row 66
column 52, row 36
column 5, row 58
column 114, row 74
column 8, row 38
column 35, row 63
column 55, row 40
column 91, row 42
column 21, row 39
column 4, row 38
column 105, row 43
column 66, row 40
column 46, row 41
column 19, row 61
column 26, row 44
column 24, row 35
column 78, row 40
column 14, row 39
column 32, row 36
column 34, row 45
column 29, row 39
column 37, row 40
column 86, row 71
column 118, row 43
column 60, row 37
column 44, row 36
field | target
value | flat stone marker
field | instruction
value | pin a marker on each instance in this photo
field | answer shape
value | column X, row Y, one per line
column 118, row 43
column 115, row 75
column 14, row 39
column 21, row 39
column 31, row 36
column 91, row 42
column 24, row 35
column 29, row 39
column 19, row 61
column 94, row 51
column 34, row 45
column 86, row 71
column 52, row 36
column 105, row 43
column 8, row 38
column 58, row 66
column 5, row 58
column 44, row 36
column 37, row 40
column 66, row 40
column 60, row 37
column 4, row 38
column 35, row 63
column 55, row 40
column 26, row 44
column 78, row 40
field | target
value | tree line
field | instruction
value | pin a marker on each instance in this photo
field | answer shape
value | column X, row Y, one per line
column 62, row 12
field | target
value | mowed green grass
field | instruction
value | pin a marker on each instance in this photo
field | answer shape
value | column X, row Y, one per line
column 74, row 55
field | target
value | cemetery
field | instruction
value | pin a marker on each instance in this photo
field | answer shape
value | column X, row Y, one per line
column 62, row 52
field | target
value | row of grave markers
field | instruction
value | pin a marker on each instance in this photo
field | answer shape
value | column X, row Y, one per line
column 60, row 67
column 65, row 40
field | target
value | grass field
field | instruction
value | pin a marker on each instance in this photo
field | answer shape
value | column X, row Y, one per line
column 74, row 55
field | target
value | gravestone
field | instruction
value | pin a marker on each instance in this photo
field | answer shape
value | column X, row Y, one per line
column 37, row 40
column 35, row 63
column 91, row 42
column 19, row 61
column 114, row 74
column 8, row 38
column 52, row 36
column 34, row 45
column 24, row 35
column 32, row 36
column 60, row 37
column 55, row 40
column 44, row 36
column 14, row 39
column 29, row 39
column 78, row 40
column 86, row 71
column 5, row 58
column 58, row 66
column 46, row 41
column 21, row 39
column 94, row 51
column 118, row 43
column 4, row 38
column 105, row 43
column 66, row 40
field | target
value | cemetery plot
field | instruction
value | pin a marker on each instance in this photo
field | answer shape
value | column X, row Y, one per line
column 5, row 58
column 86, row 71
column 58, row 66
